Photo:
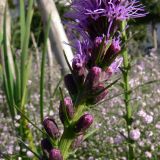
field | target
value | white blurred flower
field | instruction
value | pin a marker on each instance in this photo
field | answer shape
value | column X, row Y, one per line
column 17, row 148
column 118, row 139
column 51, row 113
column 148, row 119
column 152, row 148
column 17, row 124
column 17, row 117
column 30, row 154
column 158, row 125
column 135, row 134
column 142, row 113
column 24, row 150
column 148, row 154
column 141, row 143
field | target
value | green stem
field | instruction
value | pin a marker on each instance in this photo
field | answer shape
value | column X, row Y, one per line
column 127, row 93
column 66, row 141
column 68, row 134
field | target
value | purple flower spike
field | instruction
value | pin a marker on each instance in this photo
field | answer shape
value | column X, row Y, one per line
column 51, row 127
column 68, row 107
column 84, row 123
column 102, row 16
column 55, row 154
column 122, row 10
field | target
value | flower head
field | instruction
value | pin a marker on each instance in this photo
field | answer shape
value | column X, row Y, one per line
column 97, row 17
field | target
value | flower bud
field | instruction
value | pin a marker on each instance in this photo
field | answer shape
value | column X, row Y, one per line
column 70, row 84
column 51, row 127
column 78, row 64
column 77, row 142
column 115, row 46
column 98, row 94
column 66, row 106
column 111, row 53
column 98, row 41
column 93, row 77
column 101, row 95
column 84, row 123
column 114, row 67
column 55, row 154
column 46, row 145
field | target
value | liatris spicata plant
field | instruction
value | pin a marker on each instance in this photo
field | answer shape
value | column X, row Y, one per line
column 98, row 47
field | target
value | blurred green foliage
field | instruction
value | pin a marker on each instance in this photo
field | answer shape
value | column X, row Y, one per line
column 138, row 26
column 61, row 6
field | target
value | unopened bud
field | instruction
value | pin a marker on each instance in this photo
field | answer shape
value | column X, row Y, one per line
column 70, row 84
column 66, row 106
column 115, row 46
column 99, row 93
column 51, row 127
column 84, row 123
column 46, row 145
column 55, row 154
column 93, row 77
column 77, row 142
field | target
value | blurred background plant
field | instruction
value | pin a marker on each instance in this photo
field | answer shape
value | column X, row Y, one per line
column 108, row 142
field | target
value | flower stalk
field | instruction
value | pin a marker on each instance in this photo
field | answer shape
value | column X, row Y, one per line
column 97, row 58
column 127, row 91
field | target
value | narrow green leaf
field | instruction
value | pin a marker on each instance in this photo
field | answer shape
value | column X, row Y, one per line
column 17, row 83
column 70, row 68
column 101, row 48
column 110, row 85
column 22, row 21
column 24, row 54
column 24, row 116
column 8, row 77
column 35, row 154
column 42, row 76
column 90, row 133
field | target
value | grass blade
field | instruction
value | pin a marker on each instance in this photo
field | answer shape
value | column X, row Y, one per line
column 35, row 154
column 25, row 42
column 7, row 73
column 43, row 69
column 22, row 21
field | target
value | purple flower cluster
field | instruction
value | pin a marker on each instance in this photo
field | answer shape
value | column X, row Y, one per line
column 97, row 52
column 96, row 59
column 97, row 17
